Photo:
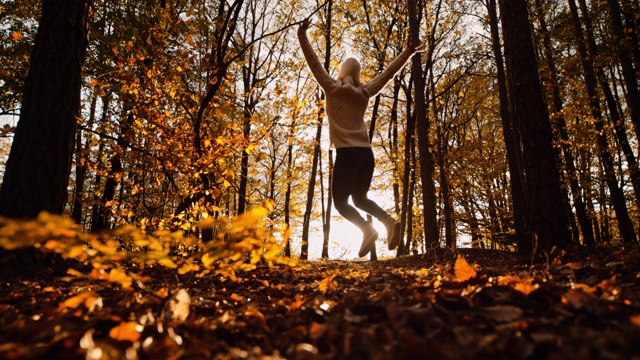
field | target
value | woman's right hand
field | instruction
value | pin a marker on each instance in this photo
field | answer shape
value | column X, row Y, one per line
column 304, row 25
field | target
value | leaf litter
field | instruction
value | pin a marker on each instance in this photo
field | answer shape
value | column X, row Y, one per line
column 471, row 303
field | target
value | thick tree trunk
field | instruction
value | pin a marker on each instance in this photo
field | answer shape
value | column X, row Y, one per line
column 509, row 132
column 37, row 171
column 548, row 220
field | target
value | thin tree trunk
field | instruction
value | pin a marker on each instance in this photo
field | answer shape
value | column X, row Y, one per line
column 620, row 42
column 81, row 168
column 423, row 124
column 306, row 221
column 409, row 145
column 561, row 125
column 625, row 225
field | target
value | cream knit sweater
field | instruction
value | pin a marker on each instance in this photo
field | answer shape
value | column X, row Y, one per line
column 346, row 104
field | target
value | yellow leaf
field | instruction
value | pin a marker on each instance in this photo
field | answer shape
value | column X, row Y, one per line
column 126, row 331
column 463, row 270
column 167, row 263
column 53, row 245
column 89, row 299
column 188, row 268
column 121, row 277
column 328, row 284
column 249, row 149
column 207, row 260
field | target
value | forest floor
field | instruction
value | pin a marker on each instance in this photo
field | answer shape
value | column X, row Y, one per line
column 576, row 304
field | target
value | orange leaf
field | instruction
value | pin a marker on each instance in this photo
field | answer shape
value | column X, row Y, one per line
column 236, row 297
column 89, row 299
column 635, row 319
column 525, row 286
column 16, row 36
column 463, row 270
column 126, row 331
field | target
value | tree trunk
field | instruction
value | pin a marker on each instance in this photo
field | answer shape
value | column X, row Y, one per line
column 509, row 131
column 423, row 124
column 548, row 220
column 327, row 217
column 627, row 232
column 409, row 145
column 561, row 125
column 621, row 44
column 81, row 167
column 37, row 171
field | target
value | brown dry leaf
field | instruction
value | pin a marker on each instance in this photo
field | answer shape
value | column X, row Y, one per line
column 580, row 299
column 608, row 285
column 126, row 331
column 316, row 330
column 463, row 270
column 503, row 313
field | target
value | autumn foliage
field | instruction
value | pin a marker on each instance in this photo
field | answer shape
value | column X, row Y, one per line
column 468, row 304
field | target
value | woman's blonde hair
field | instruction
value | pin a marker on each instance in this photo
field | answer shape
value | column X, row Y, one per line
column 350, row 68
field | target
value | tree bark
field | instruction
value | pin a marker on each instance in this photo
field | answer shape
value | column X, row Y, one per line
column 621, row 44
column 561, row 125
column 548, row 220
column 625, row 226
column 39, row 164
column 509, row 131
column 423, row 124
column 306, row 221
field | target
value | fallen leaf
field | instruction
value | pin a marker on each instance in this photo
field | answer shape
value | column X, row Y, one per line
column 525, row 286
column 16, row 36
column 89, row 299
column 316, row 330
column 580, row 299
column 503, row 313
column 463, row 270
column 179, row 305
column 126, row 331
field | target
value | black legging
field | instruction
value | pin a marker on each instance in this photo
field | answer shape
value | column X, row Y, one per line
column 352, row 175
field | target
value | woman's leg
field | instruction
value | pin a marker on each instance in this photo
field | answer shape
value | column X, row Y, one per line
column 361, row 200
column 345, row 171
column 362, row 182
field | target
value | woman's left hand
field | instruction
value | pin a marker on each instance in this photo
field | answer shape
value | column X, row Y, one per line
column 415, row 46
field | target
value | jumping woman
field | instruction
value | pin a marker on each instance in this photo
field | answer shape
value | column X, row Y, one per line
column 347, row 99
